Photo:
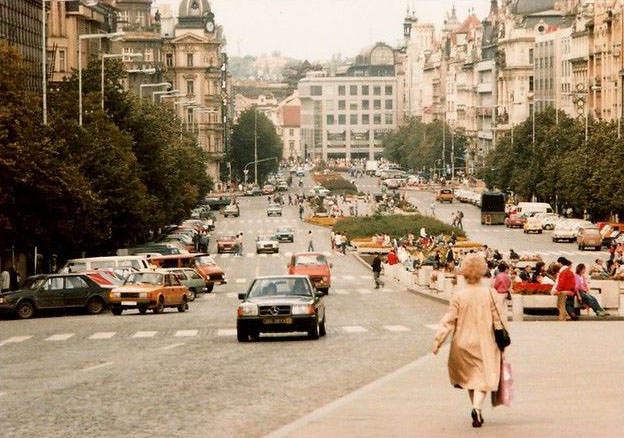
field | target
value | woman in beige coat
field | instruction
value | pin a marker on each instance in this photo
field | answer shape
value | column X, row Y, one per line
column 474, row 359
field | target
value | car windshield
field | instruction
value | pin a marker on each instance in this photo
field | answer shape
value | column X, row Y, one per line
column 144, row 278
column 226, row 238
column 446, row 192
column 310, row 260
column 274, row 206
column 280, row 287
column 204, row 260
column 284, row 230
column 266, row 237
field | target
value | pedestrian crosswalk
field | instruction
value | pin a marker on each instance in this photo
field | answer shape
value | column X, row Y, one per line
column 336, row 291
column 287, row 254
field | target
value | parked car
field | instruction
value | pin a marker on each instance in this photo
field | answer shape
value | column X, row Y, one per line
column 282, row 186
column 515, row 221
column 533, row 225
column 445, row 195
column 300, row 172
column 253, row 191
column 154, row 290
column 190, row 278
column 568, row 229
column 589, row 237
column 231, row 210
column 268, row 189
column 227, row 243
column 280, row 304
column 315, row 266
column 267, row 243
column 274, row 210
column 91, row 263
column 547, row 220
column 392, row 183
column 285, row 234
column 41, row 292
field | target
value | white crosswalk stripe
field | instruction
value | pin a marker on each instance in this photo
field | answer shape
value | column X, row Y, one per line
column 60, row 337
column 288, row 254
column 365, row 291
column 240, row 280
column 341, row 292
column 226, row 332
column 347, row 277
column 232, row 295
column 435, row 327
column 327, row 253
column 276, row 255
column 186, row 333
column 365, row 277
column 144, row 334
column 102, row 335
column 396, row 328
column 250, row 254
column 354, row 329
column 225, row 256
column 262, row 255
column 14, row 340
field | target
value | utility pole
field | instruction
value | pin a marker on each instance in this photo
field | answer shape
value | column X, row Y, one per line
column 255, row 146
column 444, row 144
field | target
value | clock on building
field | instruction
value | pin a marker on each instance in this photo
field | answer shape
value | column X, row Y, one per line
column 210, row 26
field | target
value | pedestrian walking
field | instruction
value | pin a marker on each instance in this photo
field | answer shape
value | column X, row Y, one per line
column 14, row 279
column 301, row 209
column 332, row 239
column 310, row 242
column 5, row 281
column 377, row 267
column 432, row 206
column 474, row 359
column 289, row 200
column 460, row 219
column 240, row 244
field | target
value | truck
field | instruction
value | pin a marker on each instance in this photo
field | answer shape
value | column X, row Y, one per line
column 492, row 208
column 371, row 167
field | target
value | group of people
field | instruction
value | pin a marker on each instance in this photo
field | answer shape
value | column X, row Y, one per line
column 9, row 280
column 457, row 218
column 338, row 241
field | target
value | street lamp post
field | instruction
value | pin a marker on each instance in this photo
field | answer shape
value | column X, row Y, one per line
column 87, row 37
column 154, row 85
column 255, row 146
column 110, row 56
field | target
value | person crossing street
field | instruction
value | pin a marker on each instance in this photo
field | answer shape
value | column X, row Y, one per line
column 377, row 268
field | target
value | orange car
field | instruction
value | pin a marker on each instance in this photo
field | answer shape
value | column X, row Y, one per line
column 445, row 195
column 149, row 290
column 315, row 266
column 227, row 243
column 201, row 262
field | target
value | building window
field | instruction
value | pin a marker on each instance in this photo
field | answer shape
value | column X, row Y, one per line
column 353, row 90
column 316, row 90
column 365, row 119
column 189, row 116
column 530, row 83
column 365, row 104
column 190, row 88
column 377, row 119
column 388, row 90
column 364, row 90
column 329, row 105
column 149, row 55
column 389, row 104
column 341, row 105
column 353, row 119
column 342, row 119
column 189, row 60
column 169, row 58
column 388, row 118
column 291, row 147
column 377, row 91
column 353, row 106
column 291, row 132
column 377, row 104
column 330, row 119
column 531, row 56
column 62, row 64
column 341, row 90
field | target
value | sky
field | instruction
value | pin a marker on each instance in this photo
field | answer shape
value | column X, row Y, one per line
column 317, row 29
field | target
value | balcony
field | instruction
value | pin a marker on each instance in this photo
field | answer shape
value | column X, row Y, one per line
column 484, row 112
column 486, row 135
column 485, row 87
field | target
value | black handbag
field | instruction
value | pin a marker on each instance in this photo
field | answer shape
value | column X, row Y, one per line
column 501, row 335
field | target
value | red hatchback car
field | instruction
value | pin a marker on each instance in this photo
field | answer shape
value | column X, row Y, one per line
column 515, row 221
column 315, row 266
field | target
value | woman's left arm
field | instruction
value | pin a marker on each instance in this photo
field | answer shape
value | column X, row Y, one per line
column 447, row 324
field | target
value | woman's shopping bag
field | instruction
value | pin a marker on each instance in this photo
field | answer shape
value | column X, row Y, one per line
column 505, row 393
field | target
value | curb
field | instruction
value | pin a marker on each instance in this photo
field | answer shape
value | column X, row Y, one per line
column 362, row 261
column 427, row 295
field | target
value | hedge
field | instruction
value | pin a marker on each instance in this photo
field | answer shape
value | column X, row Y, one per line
column 394, row 225
column 335, row 183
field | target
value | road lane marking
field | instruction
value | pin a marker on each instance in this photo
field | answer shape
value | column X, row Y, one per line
column 364, row 277
column 60, row 337
column 14, row 340
column 172, row 346
column 225, row 256
column 102, row 335
column 262, row 255
column 434, row 327
column 144, row 334
column 226, row 332
column 341, row 292
column 240, row 280
column 231, row 295
column 250, row 254
column 276, row 254
column 396, row 328
column 347, row 277
column 186, row 333
column 354, row 329
column 365, row 291
column 386, row 289
column 95, row 367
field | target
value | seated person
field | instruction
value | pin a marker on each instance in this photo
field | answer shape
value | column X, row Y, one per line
column 598, row 269
column 525, row 274
column 513, row 255
column 582, row 291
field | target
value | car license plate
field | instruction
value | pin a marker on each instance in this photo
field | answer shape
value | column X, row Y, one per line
column 128, row 303
column 277, row 321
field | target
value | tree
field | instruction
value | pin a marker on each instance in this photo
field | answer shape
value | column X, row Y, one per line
column 242, row 152
column 293, row 72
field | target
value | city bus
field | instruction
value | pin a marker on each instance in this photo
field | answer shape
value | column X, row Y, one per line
column 492, row 208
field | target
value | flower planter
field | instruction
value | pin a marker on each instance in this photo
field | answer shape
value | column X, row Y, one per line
column 517, row 307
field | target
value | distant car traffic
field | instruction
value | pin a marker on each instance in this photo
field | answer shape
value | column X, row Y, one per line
column 274, row 210
column 253, row 191
column 226, row 243
column 267, row 243
column 268, row 189
column 315, row 266
column 589, row 237
column 154, row 290
column 231, row 210
column 280, row 304
column 285, row 234
column 515, row 221
column 445, row 195
column 533, row 225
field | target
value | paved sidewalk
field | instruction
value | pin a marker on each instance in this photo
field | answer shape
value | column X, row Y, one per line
column 568, row 383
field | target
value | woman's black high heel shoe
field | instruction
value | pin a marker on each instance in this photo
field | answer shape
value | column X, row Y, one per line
column 477, row 420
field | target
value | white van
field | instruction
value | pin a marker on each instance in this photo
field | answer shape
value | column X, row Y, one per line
column 528, row 209
column 137, row 262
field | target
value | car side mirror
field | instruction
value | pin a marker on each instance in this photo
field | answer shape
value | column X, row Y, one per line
column 242, row 296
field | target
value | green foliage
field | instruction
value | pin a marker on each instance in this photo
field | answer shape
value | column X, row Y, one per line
column 419, row 146
column 394, row 225
column 335, row 183
column 242, row 151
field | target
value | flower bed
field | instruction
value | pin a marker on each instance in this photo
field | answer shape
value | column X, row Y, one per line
column 323, row 221
column 393, row 225
column 532, row 289
column 468, row 244
column 334, row 182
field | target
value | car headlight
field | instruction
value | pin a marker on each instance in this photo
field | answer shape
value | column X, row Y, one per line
column 115, row 295
column 143, row 294
column 303, row 309
column 3, row 300
column 325, row 279
column 248, row 309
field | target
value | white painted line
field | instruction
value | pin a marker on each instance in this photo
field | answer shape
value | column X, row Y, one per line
column 327, row 253
column 240, row 280
column 341, row 291
column 144, row 334
column 225, row 256
column 250, row 254
column 60, row 337
column 365, row 291
column 365, row 277
column 354, row 329
column 186, row 333
column 172, row 346
column 347, row 277
column 262, row 255
column 210, row 296
column 102, row 335
column 95, row 367
column 434, row 327
column 14, row 340
column 277, row 254
column 226, row 332
column 386, row 289
column 231, row 295
column 396, row 328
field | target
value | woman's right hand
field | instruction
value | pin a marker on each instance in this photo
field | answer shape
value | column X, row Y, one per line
column 435, row 347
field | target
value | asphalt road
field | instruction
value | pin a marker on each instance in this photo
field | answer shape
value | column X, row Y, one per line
column 185, row 375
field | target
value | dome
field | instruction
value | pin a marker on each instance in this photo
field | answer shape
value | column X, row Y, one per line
column 193, row 8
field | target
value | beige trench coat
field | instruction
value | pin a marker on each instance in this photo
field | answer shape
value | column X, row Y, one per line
column 474, row 359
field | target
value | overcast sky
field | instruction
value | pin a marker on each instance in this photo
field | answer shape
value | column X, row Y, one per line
column 316, row 29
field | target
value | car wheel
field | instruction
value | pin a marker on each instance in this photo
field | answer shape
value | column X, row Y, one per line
column 322, row 331
column 25, row 310
column 182, row 307
column 95, row 305
column 313, row 333
column 242, row 335
column 209, row 287
column 117, row 310
column 160, row 306
column 142, row 310
column 192, row 295
column 539, row 231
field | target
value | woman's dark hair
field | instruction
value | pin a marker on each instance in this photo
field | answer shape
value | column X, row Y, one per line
column 579, row 268
column 502, row 267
